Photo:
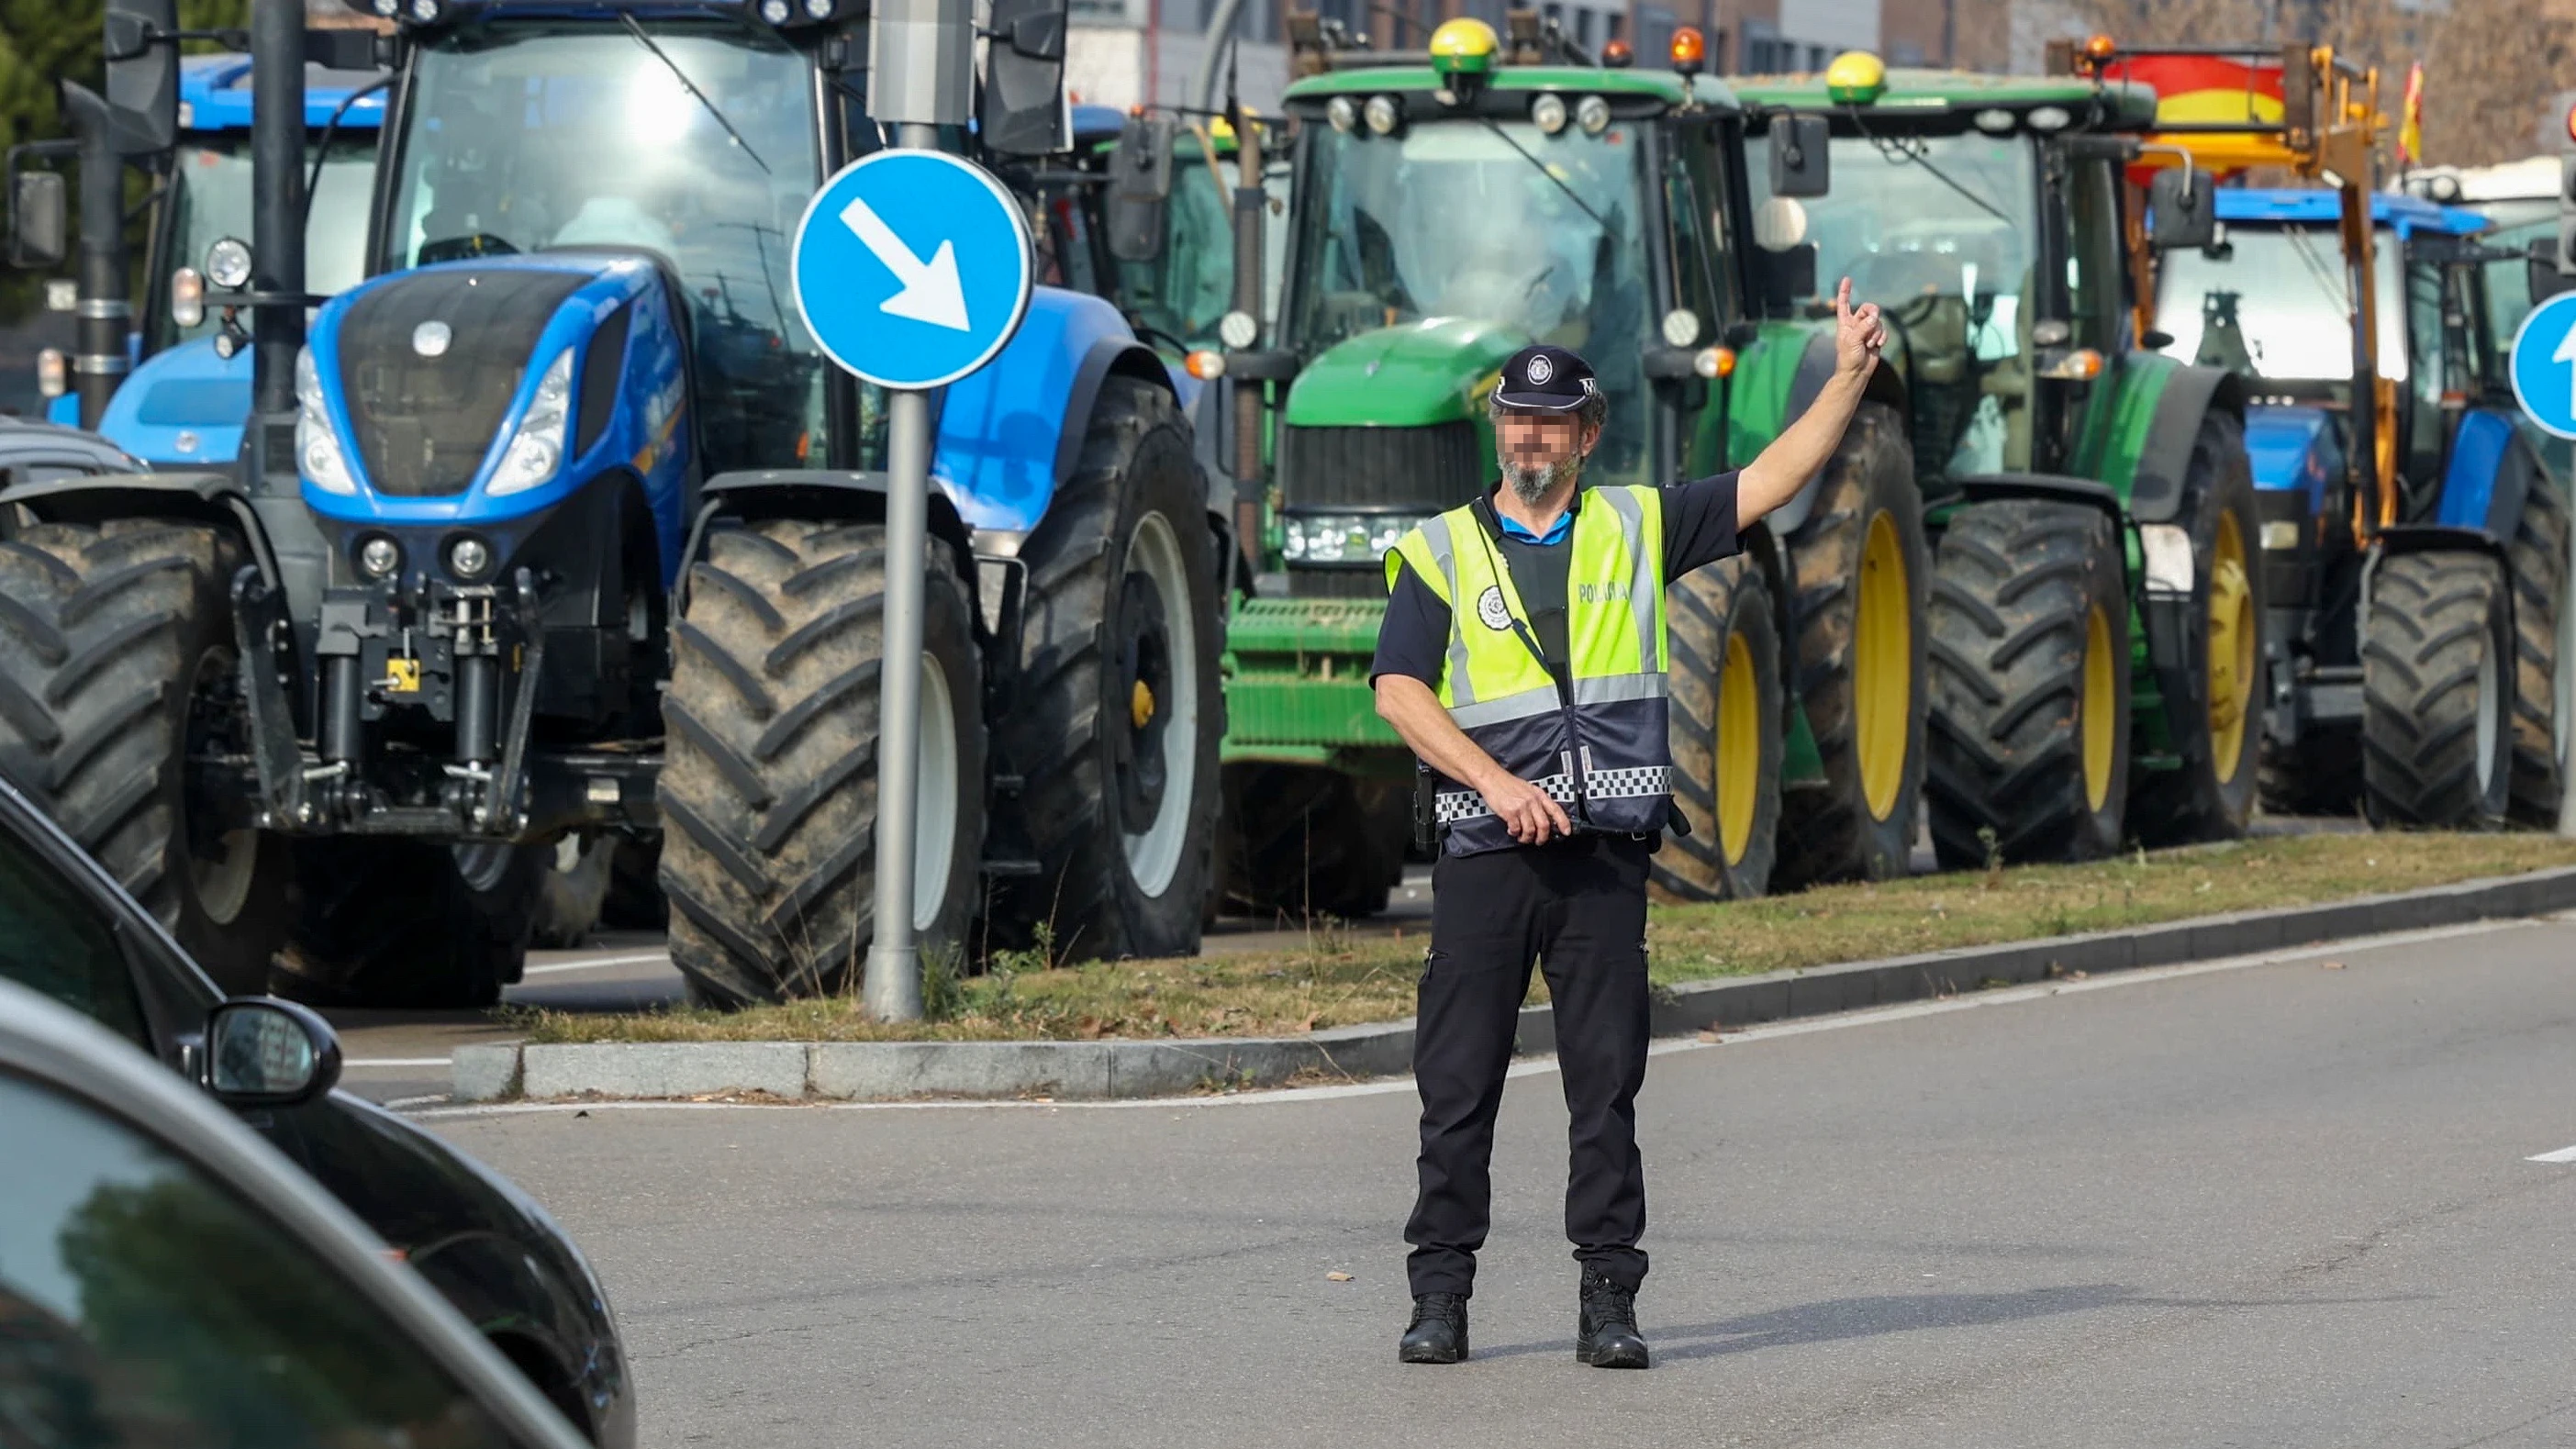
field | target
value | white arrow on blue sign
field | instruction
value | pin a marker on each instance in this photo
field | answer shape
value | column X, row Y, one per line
column 912, row 268
column 2544, row 364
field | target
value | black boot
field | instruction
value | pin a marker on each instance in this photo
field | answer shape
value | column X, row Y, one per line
column 1605, row 1330
column 1438, row 1332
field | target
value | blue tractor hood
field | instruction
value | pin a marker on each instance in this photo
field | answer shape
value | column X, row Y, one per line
column 2313, row 206
column 214, row 95
column 183, row 407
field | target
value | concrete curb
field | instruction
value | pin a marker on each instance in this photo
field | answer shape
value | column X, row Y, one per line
column 1096, row 1070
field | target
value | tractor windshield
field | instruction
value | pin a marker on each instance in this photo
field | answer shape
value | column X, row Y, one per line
column 210, row 198
column 693, row 139
column 1453, row 219
column 1939, row 230
column 2274, row 304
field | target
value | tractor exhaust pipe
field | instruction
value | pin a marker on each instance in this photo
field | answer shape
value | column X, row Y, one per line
column 276, row 232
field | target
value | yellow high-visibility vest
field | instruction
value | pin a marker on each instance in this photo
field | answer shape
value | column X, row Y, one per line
column 1600, row 746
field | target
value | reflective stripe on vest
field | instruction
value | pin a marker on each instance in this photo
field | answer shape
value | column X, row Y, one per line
column 1602, row 752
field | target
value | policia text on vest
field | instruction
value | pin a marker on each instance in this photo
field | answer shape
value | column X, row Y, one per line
column 1523, row 659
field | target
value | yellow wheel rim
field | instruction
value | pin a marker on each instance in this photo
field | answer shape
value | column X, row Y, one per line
column 1739, row 749
column 2231, row 648
column 2100, row 705
column 1883, row 666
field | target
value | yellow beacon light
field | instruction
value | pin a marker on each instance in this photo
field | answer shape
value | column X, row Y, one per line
column 1463, row 47
column 1856, row 78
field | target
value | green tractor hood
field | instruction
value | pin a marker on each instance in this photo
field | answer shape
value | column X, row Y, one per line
column 1416, row 375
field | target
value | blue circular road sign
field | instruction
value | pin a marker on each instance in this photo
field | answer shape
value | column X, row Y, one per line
column 2544, row 364
column 912, row 268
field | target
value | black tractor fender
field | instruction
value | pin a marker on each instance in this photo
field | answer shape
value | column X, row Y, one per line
column 212, row 498
column 853, row 496
column 1815, row 369
column 2155, row 494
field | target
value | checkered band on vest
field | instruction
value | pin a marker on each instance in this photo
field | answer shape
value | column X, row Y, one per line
column 1629, row 784
column 1449, row 806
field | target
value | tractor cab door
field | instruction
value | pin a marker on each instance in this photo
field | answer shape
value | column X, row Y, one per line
column 2073, row 422
column 1689, row 432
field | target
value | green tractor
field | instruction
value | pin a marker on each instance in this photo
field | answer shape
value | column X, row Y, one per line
column 2095, row 624
column 1447, row 207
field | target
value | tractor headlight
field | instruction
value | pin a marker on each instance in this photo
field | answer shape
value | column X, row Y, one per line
column 1344, row 113
column 536, row 450
column 317, row 447
column 1341, row 538
column 1382, row 114
column 187, row 297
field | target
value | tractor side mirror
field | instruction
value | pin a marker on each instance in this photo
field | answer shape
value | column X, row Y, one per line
column 1023, row 111
column 1783, row 279
column 143, row 75
column 1801, row 162
column 2540, row 268
column 1140, row 189
column 39, row 220
column 2184, row 207
column 341, row 47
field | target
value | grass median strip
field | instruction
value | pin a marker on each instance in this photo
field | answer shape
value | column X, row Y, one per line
column 1344, row 978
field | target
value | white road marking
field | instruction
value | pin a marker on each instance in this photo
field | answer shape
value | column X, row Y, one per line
column 640, row 958
column 2563, row 1154
column 1868, row 1016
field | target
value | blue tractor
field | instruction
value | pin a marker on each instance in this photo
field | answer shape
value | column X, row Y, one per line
column 584, row 534
column 2415, row 578
column 183, row 404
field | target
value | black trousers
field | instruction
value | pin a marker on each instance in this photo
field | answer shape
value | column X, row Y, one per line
column 1578, row 908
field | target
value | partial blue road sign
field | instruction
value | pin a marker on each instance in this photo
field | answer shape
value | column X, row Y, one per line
column 2544, row 364
column 912, row 268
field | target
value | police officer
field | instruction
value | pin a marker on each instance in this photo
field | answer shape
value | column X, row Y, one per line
column 1522, row 658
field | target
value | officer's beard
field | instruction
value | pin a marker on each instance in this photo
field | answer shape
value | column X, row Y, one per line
column 1532, row 482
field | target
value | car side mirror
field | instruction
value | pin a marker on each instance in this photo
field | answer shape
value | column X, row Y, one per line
column 1022, row 112
column 143, row 75
column 39, row 220
column 2184, row 208
column 1140, row 189
column 1801, row 156
column 262, row 1052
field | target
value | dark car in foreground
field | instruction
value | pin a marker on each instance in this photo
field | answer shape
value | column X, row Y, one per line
column 165, row 1279
column 70, row 933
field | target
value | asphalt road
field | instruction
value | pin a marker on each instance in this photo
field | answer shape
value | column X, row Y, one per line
column 2286, row 1203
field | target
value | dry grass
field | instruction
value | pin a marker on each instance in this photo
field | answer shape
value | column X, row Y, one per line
column 1341, row 980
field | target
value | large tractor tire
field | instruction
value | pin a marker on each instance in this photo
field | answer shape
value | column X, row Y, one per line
column 1114, row 729
column 117, row 664
column 769, row 780
column 2437, row 691
column 2538, row 553
column 411, row 923
column 2030, row 685
column 2212, row 701
column 1725, row 735
column 1303, row 842
column 1860, row 569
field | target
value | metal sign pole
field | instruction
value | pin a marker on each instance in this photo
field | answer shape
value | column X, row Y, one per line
column 922, row 63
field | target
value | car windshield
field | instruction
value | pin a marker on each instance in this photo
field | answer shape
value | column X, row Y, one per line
column 210, row 189
column 142, row 1303
column 695, row 140
column 2275, row 304
column 1452, row 219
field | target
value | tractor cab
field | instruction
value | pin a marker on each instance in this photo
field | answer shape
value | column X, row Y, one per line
column 1453, row 207
column 1984, row 215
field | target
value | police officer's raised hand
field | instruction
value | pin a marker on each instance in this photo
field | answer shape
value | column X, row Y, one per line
column 1858, row 333
column 1530, row 813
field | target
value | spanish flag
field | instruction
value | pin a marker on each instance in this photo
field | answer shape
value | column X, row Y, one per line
column 2205, row 90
